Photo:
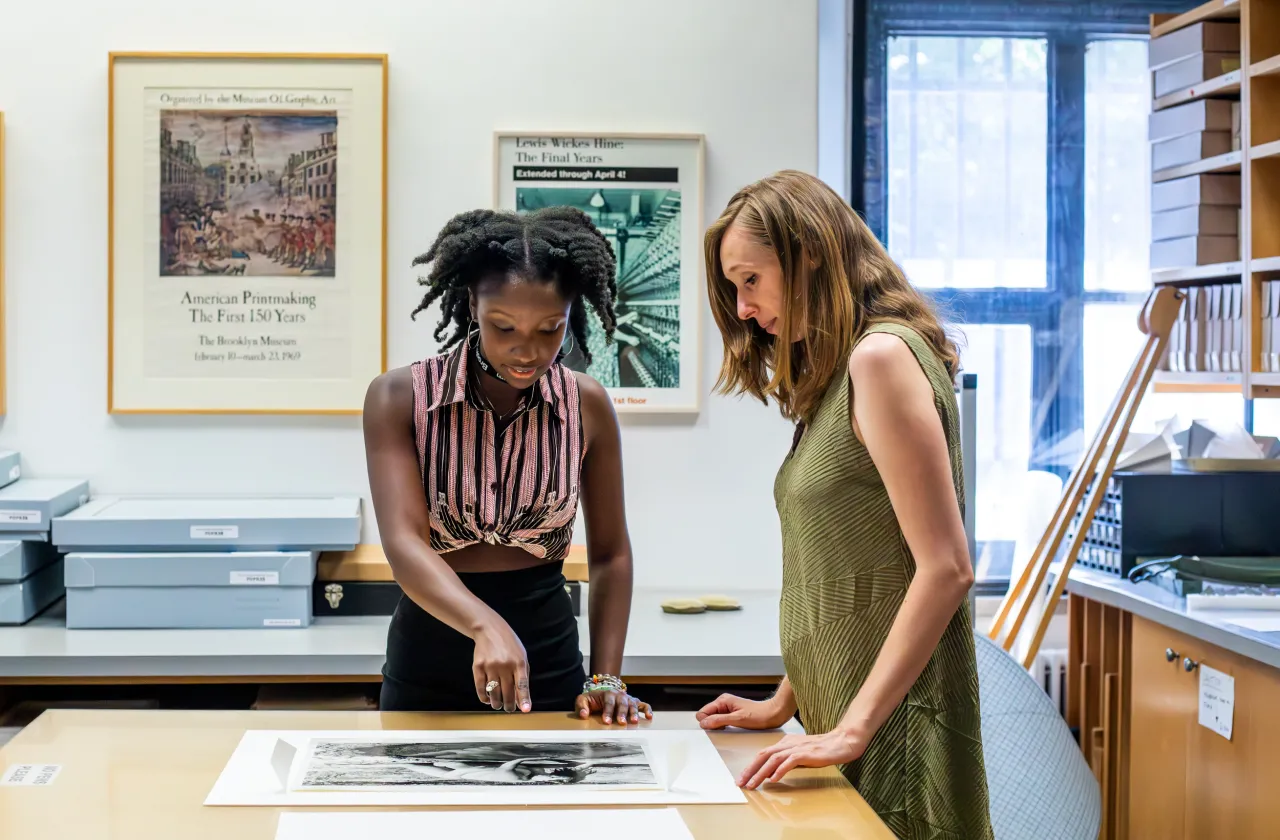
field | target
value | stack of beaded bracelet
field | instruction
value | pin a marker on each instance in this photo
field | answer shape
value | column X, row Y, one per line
column 603, row 682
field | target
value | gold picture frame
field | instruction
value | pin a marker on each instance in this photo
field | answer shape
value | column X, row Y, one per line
column 251, row 281
column 4, row 403
column 661, row 178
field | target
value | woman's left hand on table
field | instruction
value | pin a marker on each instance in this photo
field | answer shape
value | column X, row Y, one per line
column 838, row 746
column 613, row 707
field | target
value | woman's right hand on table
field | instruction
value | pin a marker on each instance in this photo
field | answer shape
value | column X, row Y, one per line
column 501, row 668
column 731, row 710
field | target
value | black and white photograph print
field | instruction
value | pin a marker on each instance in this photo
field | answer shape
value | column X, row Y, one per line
column 331, row 764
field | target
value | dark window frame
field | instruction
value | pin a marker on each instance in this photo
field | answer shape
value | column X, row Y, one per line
column 1055, row 313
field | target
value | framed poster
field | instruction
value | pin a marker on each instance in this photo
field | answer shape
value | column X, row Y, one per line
column 644, row 193
column 247, row 232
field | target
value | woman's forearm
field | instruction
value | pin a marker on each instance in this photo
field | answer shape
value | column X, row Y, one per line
column 784, row 698
column 609, row 611
column 927, row 608
column 435, row 587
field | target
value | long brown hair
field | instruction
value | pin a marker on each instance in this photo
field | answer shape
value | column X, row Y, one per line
column 837, row 280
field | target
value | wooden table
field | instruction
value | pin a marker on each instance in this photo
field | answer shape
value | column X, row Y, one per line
column 143, row 775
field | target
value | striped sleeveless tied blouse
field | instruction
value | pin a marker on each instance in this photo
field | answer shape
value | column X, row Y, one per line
column 515, row 488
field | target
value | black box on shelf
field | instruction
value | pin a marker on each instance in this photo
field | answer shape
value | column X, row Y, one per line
column 1146, row 515
column 367, row 597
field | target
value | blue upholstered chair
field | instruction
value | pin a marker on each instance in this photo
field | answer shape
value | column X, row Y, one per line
column 1040, row 786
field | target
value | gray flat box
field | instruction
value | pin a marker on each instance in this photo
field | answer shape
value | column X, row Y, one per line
column 31, row 504
column 1201, row 115
column 20, row 558
column 21, row 602
column 185, row 590
column 1189, row 148
column 1216, row 190
column 1202, row 220
column 1188, row 251
column 1200, row 67
column 211, row 524
column 10, row 467
column 1206, row 36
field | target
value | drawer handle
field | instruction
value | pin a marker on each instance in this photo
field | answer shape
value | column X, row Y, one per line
column 1170, row 654
column 1189, row 664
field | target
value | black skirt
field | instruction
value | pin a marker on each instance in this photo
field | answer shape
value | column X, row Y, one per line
column 428, row 667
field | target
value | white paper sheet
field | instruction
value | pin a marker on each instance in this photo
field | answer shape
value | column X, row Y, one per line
column 1262, row 621
column 636, row 824
column 1217, row 701
column 687, row 767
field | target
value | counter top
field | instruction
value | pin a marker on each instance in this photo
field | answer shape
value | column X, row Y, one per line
column 1163, row 607
column 719, row 645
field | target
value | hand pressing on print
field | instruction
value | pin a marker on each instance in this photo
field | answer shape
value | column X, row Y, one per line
column 613, row 707
column 839, row 746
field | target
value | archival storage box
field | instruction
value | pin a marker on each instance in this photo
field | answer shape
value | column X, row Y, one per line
column 1195, row 190
column 10, row 467
column 182, row 590
column 30, row 504
column 23, row 601
column 20, row 557
column 1189, row 41
column 211, row 524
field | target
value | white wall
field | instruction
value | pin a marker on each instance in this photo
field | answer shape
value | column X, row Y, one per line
column 744, row 72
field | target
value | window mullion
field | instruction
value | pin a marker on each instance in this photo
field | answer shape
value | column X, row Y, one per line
column 1058, row 365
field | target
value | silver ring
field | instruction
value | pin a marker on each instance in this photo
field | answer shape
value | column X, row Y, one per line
column 490, row 686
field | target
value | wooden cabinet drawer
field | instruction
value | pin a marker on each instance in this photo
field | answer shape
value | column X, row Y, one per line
column 1186, row 780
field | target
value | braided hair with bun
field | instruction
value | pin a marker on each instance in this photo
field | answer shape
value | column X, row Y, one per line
column 557, row 244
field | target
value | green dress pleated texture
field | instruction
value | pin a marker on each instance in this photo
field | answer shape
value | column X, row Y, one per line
column 846, row 567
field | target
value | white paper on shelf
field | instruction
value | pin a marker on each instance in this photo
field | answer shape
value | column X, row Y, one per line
column 686, row 762
column 1262, row 621
column 636, row 824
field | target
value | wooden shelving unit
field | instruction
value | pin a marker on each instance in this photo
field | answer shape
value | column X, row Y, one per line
column 1214, row 10
column 1256, row 86
column 1182, row 382
column 1196, row 275
column 1229, row 162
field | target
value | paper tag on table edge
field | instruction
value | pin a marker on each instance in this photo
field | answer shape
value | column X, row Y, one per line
column 33, row 775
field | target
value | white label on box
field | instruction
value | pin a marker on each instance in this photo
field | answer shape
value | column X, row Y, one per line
column 1217, row 700
column 30, row 775
column 255, row 578
column 23, row 517
column 281, row 622
column 215, row 532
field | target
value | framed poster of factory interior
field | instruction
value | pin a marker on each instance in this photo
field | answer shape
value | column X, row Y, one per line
column 644, row 193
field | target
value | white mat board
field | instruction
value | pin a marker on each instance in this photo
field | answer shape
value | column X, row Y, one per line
column 265, row 764
column 636, row 824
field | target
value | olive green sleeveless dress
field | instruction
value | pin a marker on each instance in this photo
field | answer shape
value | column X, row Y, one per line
column 846, row 567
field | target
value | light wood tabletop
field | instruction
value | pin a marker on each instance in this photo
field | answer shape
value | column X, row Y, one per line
column 145, row 775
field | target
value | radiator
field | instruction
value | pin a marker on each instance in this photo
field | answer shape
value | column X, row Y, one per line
column 1050, row 670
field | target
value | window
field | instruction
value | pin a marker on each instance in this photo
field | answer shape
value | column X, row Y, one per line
column 966, row 160
column 1266, row 417
column 1007, row 172
column 1117, row 189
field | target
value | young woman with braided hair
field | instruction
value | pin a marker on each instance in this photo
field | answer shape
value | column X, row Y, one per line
column 477, row 460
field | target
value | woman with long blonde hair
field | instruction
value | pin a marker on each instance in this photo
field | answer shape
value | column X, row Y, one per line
column 876, row 632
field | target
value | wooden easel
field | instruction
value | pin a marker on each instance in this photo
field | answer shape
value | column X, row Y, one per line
column 1155, row 321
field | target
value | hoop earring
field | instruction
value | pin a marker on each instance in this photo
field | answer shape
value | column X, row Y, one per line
column 472, row 330
column 572, row 344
